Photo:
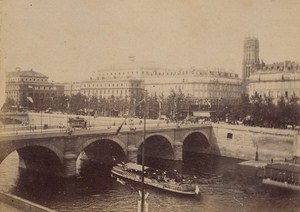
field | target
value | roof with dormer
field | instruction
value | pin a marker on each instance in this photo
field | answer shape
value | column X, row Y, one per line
column 26, row 73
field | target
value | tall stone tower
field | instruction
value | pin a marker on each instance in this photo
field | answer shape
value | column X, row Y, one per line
column 250, row 60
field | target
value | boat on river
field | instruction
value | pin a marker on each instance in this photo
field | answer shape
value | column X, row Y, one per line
column 164, row 180
column 283, row 174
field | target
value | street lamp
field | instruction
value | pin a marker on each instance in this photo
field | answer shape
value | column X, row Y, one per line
column 41, row 120
column 159, row 107
column 143, row 152
column 188, row 101
column 88, row 102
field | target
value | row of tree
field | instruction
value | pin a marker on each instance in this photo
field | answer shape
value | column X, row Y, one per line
column 173, row 105
column 262, row 111
column 256, row 110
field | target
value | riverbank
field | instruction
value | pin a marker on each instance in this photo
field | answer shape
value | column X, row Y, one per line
column 9, row 202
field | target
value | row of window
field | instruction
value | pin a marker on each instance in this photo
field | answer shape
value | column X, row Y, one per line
column 27, row 79
column 44, row 88
column 164, row 73
column 278, row 77
column 277, row 94
column 204, row 87
column 104, row 91
column 275, row 85
column 32, row 87
column 110, row 85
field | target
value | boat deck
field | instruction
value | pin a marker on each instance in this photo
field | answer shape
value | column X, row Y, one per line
column 253, row 163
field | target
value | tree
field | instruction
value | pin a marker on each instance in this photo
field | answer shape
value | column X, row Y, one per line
column 101, row 106
column 60, row 103
column 261, row 111
column 269, row 114
column 153, row 106
column 137, row 104
column 294, row 111
column 256, row 110
column 93, row 104
column 78, row 103
column 288, row 110
column 175, row 105
column 7, row 106
column 281, row 111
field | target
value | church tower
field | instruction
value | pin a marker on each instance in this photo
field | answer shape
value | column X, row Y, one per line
column 250, row 60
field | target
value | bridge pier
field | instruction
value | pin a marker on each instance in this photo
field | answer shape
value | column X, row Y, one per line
column 69, row 164
column 132, row 154
column 177, row 150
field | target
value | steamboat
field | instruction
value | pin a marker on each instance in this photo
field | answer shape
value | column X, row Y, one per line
column 155, row 178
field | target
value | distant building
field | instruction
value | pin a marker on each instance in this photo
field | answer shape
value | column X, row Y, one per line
column 30, row 88
column 203, row 86
column 250, row 59
column 60, row 88
column 71, row 88
column 123, row 87
column 276, row 80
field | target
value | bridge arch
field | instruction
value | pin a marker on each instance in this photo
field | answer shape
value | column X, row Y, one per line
column 38, row 157
column 104, row 150
column 20, row 145
column 196, row 142
column 157, row 145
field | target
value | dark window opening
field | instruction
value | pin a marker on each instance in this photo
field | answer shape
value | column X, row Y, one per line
column 229, row 135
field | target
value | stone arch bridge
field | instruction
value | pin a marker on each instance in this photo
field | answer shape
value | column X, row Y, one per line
column 57, row 152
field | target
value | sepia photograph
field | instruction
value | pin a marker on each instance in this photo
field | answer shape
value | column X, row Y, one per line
column 149, row 105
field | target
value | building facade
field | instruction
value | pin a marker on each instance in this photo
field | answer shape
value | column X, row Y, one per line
column 106, row 87
column 202, row 86
column 31, row 89
column 280, row 79
column 71, row 88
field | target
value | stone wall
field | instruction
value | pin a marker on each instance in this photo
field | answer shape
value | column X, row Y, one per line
column 242, row 142
column 9, row 202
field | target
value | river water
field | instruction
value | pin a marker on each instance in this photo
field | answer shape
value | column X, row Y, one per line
column 224, row 187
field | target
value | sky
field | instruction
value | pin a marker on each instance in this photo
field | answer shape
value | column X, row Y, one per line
column 67, row 40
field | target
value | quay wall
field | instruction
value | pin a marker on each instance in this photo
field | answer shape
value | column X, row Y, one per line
column 8, row 201
column 243, row 142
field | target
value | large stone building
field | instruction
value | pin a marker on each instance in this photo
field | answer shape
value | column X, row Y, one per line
column 105, row 87
column 31, row 89
column 275, row 80
column 203, row 86
column 71, row 88
column 200, row 85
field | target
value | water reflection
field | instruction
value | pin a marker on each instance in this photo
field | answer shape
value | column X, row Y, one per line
column 223, row 186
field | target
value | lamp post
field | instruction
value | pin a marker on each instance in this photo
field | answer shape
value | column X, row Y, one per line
column 68, row 106
column 14, row 127
column 89, row 111
column 41, row 121
column 159, row 108
column 143, row 153
column 218, row 115
column 188, row 101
